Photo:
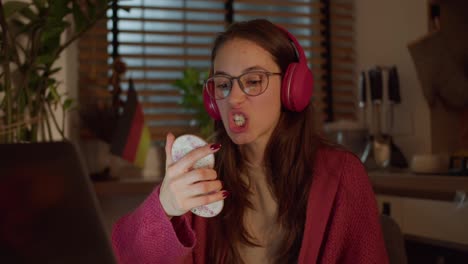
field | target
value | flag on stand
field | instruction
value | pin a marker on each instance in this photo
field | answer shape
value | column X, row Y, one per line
column 132, row 138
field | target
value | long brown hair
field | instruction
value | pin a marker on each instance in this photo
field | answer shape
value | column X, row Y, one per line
column 288, row 159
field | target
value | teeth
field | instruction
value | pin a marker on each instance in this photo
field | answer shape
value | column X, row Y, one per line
column 239, row 120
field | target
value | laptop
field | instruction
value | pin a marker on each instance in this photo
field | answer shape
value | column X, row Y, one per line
column 48, row 209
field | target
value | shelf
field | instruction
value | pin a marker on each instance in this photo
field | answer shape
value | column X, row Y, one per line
column 407, row 184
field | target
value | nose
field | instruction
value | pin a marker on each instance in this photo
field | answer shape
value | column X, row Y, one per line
column 236, row 96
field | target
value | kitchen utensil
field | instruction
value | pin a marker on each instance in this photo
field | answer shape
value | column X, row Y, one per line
column 393, row 95
column 381, row 144
column 362, row 105
column 397, row 159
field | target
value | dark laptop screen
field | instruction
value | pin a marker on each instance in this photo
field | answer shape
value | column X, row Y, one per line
column 48, row 211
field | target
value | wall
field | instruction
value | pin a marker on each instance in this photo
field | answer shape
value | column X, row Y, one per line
column 383, row 29
column 68, row 77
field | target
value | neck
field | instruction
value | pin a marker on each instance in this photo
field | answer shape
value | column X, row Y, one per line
column 254, row 153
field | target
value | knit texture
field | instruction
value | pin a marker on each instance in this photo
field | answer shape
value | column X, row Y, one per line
column 352, row 232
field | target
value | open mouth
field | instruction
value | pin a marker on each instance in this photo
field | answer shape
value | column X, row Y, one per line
column 239, row 120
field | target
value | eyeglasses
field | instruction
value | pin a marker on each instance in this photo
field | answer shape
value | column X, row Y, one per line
column 252, row 83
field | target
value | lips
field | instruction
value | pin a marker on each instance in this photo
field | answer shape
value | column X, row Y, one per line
column 238, row 121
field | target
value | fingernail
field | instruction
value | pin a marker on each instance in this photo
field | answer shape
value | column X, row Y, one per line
column 225, row 194
column 215, row 146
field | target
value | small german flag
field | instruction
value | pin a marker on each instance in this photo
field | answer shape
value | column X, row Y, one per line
column 132, row 138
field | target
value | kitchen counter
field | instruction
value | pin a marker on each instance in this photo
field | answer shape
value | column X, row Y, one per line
column 395, row 183
column 420, row 186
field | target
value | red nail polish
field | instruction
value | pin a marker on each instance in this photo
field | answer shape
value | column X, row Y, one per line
column 215, row 146
column 225, row 194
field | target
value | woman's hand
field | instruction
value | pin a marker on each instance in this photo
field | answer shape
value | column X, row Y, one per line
column 184, row 188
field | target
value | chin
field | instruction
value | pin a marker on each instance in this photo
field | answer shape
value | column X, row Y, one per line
column 240, row 138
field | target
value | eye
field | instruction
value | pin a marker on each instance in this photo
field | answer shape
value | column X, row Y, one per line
column 253, row 80
column 222, row 83
column 222, row 86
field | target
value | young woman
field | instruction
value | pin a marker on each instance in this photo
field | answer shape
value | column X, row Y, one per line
column 289, row 196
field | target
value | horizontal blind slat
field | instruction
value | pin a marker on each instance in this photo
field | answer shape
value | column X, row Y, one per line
column 175, row 21
column 283, row 14
column 181, row 9
column 315, row 4
column 168, row 33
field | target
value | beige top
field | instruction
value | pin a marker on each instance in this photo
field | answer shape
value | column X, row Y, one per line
column 260, row 222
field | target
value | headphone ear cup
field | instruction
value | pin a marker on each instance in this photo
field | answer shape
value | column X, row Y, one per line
column 297, row 87
column 210, row 105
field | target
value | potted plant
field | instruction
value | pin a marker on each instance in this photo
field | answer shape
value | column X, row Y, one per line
column 31, row 41
column 191, row 87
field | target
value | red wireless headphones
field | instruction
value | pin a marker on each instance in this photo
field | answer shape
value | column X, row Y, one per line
column 296, row 87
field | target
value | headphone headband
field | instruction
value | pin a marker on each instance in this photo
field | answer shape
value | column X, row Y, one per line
column 295, row 43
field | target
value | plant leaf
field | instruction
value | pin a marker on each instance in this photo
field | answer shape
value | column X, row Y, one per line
column 78, row 17
column 11, row 7
column 51, row 34
column 59, row 9
column 67, row 104
column 40, row 3
column 28, row 13
column 46, row 59
column 55, row 70
column 53, row 95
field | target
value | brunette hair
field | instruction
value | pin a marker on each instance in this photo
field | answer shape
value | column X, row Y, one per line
column 288, row 159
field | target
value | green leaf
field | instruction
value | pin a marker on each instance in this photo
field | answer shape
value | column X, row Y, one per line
column 20, row 25
column 45, row 59
column 40, row 3
column 68, row 104
column 51, row 34
column 29, row 13
column 55, row 70
column 51, row 82
column 11, row 7
column 59, row 9
column 53, row 95
column 78, row 17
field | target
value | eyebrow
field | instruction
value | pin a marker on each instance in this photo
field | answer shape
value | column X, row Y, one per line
column 253, row 68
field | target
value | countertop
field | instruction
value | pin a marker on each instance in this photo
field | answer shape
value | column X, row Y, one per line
column 422, row 186
column 386, row 182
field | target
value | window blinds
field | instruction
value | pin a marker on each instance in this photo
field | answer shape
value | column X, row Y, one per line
column 158, row 39
column 342, row 70
column 305, row 20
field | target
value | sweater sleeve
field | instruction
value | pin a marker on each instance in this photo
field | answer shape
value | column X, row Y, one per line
column 355, row 234
column 146, row 235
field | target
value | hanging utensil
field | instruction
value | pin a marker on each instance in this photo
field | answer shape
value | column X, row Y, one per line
column 362, row 105
column 381, row 144
column 393, row 96
column 397, row 159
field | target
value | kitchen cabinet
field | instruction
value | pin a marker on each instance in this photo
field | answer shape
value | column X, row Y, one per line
column 435, row 226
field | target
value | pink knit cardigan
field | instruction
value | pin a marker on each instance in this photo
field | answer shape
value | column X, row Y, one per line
column 342, row 222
